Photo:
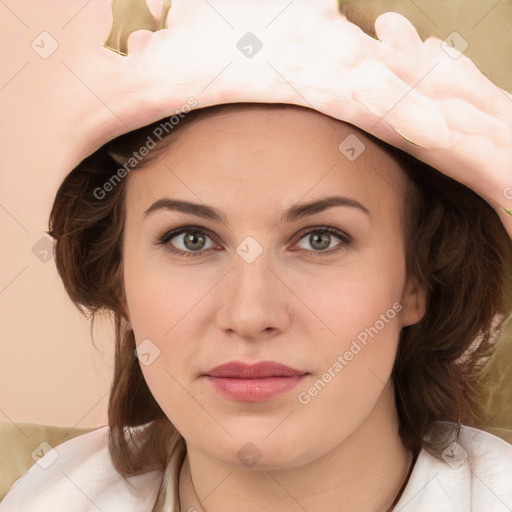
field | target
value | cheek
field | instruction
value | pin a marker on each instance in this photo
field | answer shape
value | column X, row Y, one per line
column 348, row 301
column 156, row 296
column 148, row 303
column 169, row 307
column 364, row 292
column 162, row 317
column 361, row 309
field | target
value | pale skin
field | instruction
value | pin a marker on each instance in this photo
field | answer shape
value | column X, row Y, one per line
column 293, row 304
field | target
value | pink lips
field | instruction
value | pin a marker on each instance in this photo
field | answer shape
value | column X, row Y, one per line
column 253, row 382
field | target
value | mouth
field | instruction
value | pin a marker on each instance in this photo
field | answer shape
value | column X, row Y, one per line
column 256, row 382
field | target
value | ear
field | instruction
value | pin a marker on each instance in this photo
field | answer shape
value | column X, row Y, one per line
column 414, row 302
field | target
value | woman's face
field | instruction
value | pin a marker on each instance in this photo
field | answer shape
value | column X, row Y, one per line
column 261, row 281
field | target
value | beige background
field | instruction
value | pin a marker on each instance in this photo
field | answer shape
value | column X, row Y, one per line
column 50, row 371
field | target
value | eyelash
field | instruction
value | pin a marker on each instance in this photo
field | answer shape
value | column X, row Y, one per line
column 168, row 236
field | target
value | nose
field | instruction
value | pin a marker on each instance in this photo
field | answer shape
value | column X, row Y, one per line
column 255, row 303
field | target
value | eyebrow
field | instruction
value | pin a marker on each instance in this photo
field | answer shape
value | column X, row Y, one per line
column 293, row 213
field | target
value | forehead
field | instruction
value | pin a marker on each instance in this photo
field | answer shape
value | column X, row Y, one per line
column 269, row 154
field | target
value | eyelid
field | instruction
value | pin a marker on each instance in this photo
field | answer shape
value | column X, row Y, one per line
column 165, row 239
column 323, row 228
column 331, row 230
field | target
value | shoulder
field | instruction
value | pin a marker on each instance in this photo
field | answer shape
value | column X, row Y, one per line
column 473, row 473
column 79, row 475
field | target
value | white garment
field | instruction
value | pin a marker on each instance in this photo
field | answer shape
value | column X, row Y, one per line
column 83, row 479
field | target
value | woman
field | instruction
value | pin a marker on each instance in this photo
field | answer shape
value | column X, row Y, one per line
column 372, row 297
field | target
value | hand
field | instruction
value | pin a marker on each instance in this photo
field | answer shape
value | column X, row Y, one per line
column 446, row 111
column 396, row 87
column 443, row 103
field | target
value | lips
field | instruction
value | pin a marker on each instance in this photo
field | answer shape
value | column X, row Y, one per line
column 256, row 382
column 259, row 370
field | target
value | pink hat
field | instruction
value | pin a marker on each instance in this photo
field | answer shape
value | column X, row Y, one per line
column 395, row 86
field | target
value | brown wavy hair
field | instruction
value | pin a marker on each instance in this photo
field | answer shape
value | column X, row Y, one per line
column 455, row 245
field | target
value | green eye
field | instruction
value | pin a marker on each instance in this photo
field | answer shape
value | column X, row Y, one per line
column 320, row 239
column 193, row 241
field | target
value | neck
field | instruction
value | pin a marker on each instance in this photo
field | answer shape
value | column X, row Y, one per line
column 365, row 472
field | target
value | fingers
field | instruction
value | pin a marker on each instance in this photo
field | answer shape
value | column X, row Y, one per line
column 410, row 113
column 434, row 72
column 398, row 32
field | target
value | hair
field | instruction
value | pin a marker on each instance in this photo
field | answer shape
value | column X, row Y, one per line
column 455, row 245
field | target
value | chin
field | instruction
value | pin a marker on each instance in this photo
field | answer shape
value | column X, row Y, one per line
column 263, row 448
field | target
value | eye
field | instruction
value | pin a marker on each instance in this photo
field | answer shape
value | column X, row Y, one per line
column 321, row 239
column 195, row 241
column 187, row 241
